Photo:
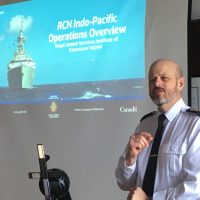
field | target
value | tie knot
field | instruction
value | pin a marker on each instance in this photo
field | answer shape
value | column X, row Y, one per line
column 161, row 118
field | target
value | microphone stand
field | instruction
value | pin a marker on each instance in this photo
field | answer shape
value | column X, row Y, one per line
column 43, row 171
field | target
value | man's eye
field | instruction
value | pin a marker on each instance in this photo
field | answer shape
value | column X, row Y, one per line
column 152, row 80
column 165, row 78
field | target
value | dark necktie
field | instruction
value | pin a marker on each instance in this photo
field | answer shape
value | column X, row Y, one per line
column 149, row 177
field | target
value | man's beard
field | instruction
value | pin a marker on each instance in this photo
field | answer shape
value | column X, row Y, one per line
column 160, row 101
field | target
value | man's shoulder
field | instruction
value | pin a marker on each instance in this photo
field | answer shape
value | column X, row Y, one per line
column 149, row 115
column 193, row 111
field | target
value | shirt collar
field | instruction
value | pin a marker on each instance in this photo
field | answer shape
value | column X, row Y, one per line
column 175, row 109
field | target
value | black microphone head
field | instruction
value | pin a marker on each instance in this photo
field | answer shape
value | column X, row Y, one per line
column 58, row 181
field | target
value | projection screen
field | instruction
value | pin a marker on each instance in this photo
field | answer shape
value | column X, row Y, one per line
column 73, row 77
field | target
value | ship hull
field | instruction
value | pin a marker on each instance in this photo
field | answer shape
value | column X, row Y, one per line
column 21, row 77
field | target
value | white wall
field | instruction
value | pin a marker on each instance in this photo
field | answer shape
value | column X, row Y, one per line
column 166, row 32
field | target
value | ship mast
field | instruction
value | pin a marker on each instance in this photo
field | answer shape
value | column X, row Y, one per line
column 20, row 51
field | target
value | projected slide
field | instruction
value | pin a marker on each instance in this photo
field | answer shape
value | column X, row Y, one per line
column 72, row 51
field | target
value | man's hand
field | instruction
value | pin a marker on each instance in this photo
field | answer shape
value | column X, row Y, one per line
column 137, row 194
column 137, row 142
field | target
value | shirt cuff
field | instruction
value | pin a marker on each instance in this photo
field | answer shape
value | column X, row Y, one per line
column 129, row 169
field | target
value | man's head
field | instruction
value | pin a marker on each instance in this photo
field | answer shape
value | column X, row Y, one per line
column 166, row 83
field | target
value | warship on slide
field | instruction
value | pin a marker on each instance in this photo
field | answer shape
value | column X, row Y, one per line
column 21, row 69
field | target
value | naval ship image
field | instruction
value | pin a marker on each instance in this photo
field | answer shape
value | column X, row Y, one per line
column 21, row 69
column 20, row 90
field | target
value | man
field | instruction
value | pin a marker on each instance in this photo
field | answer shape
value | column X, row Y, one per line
column 177, row 170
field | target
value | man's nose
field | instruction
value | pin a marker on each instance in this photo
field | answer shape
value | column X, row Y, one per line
column 158, row 82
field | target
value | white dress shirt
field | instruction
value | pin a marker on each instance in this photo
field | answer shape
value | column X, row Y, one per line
column 178, row 164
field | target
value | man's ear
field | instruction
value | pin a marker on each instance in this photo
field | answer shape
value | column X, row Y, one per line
column 181, row 83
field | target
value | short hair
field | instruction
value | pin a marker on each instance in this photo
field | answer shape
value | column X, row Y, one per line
column 178, row 68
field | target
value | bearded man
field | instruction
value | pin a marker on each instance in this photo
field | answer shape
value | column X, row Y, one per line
column 162, row 158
